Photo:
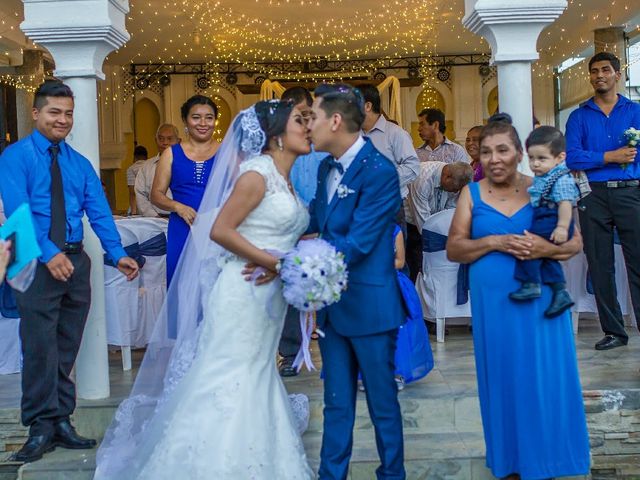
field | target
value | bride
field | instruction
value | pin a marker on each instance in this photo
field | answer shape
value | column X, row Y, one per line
column 210, row 404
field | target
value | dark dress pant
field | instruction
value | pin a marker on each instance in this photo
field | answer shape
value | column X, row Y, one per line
column 52, row 319
column 291, row 338
column 342, row 358
column 542, row 270
column 601, row 211
column 414, row 251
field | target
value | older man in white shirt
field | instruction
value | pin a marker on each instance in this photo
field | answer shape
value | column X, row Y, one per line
column 390, row 139
column 166, row 136
column 436, row 189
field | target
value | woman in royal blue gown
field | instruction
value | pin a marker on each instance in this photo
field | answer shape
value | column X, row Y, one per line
column 530, row 395
column 184, row 168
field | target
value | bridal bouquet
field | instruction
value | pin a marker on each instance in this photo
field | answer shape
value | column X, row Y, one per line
column 314, row 275
column 632, row 135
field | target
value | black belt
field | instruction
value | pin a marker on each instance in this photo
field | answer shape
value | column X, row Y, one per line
column 616, row 184
column 72, row 248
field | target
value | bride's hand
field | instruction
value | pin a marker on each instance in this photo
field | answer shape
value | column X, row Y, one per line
column 265, row 277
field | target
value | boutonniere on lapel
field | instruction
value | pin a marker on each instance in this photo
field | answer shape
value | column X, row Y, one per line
column 343, row 191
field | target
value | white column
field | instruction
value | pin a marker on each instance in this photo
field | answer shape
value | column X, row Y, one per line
column 515, row 95
column 512, row 30
column 79, row 35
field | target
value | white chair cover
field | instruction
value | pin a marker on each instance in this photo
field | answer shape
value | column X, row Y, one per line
column 575, row 270
column 153, row 277
column 121, row 299
column 437, row 285
column 10, row 350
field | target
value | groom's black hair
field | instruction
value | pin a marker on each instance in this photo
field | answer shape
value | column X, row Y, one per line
column 345, row 100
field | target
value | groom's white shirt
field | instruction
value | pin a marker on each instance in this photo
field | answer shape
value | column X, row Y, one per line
column 346, row 160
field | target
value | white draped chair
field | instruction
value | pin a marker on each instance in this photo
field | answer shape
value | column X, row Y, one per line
column 10, row 350
column 153, row 276
column 122, row 303
column 437, row 285
column 133, row 307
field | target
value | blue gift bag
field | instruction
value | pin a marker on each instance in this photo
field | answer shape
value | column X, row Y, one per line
column 414, row 358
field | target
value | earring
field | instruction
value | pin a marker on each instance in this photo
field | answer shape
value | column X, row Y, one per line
column 280, row 144
column 186, row 130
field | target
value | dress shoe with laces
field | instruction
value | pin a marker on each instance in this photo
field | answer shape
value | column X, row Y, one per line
column 286, row 367
column 560, row 302
column 34, row 448
column 67, row 437
column 528, row 291
column 609, row 342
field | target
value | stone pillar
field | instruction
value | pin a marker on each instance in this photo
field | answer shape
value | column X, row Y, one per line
column 612, row 39
column 512, row 30
column 79, row 35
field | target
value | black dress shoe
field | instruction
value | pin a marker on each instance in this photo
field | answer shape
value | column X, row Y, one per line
column 609, row 342
column 34, row 448
column 67, row 437
column 560, row 302
column 528, row 291
column 286, row 367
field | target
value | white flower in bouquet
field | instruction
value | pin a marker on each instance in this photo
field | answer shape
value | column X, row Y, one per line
column 314, row 275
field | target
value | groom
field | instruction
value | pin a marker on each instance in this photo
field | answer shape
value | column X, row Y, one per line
column 356, row 202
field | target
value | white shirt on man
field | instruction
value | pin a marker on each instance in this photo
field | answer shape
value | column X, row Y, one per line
column 426, row 196
column 143, row 183
column 347, row 158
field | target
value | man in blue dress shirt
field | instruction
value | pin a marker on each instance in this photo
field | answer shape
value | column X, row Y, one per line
column 597, row 145
column 60, row 186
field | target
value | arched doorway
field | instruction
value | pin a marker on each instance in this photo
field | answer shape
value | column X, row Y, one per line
column 429, row 98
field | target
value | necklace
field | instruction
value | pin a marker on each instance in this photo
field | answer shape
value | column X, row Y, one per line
column 504, row 198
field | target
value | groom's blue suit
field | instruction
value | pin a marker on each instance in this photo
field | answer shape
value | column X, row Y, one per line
column 361, row 329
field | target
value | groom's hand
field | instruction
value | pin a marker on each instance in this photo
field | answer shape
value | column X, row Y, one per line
column 265, row 277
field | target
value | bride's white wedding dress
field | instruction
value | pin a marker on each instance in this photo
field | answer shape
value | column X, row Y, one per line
column 230, row 418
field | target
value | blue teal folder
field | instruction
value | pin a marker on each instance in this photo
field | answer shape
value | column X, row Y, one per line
column 25, row 245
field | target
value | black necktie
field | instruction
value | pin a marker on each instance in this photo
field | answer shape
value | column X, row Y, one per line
column 58, row 228
column 333, row 163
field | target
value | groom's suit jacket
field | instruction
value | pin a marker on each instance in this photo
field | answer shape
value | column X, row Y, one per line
column 359, row 222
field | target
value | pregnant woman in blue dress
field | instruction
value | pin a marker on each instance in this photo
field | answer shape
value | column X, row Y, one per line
column 530, row 394
column 184, row 168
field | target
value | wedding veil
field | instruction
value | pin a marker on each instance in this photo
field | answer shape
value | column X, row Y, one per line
column 168, row 359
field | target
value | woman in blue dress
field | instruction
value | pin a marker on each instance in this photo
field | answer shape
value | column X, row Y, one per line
column 530, row 394
column 184, row 168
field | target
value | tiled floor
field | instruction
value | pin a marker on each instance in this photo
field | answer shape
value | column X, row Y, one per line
column 454, row 373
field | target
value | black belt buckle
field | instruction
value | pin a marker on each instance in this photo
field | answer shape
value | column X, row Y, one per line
column 73, row 248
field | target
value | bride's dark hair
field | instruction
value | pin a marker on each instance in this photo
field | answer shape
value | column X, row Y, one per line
column 273, row 116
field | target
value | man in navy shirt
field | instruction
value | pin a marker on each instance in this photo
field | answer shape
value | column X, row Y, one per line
column 596, row 144
column 60, row 186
